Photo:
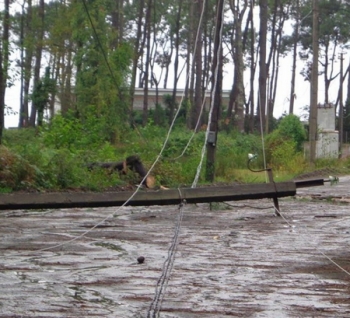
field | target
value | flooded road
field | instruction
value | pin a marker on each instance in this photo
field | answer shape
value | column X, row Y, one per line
column 233, row 260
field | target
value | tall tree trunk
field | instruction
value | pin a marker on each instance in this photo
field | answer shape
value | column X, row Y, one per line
column 147, row 62
column 4, row 61
column 56, row 75
column 196, row 109
column 190, row 55
column 20, row 123
column 117, row 22
column 314, row 84
column 274, row 77
column 207, row 51
column 176, row 60
column 29, row 47
column 237, row 93
column 38, row 55
column 138, row 47
column 275, row 58
column 294, row 66
column 262, row 62
column 66, row 75
column 168, row 61
column 252, row 67
column 271, row 60
column 189, row 68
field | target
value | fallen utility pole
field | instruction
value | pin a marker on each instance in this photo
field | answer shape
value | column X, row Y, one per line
column 60, row 200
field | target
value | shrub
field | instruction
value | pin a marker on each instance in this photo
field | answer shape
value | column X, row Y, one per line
column 233, row 150
column 291, row 128
column 16, row 173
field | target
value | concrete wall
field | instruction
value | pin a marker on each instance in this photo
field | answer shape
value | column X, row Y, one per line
column 327, row 144
column 326, row 117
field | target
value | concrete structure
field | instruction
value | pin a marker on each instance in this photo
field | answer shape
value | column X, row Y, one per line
column 327, row 144
column 138, row 97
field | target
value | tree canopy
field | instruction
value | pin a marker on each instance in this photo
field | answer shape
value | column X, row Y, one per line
column 95, row 52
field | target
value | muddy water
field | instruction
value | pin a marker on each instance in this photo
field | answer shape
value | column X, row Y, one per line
column 236, row 260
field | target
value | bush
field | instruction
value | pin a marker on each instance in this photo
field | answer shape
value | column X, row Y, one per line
column 291, row 128
column 233, row 150
column 285, row 157
column 57, row 157
column 16, row 173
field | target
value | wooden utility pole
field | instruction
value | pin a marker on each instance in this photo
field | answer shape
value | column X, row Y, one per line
column 215, row 95
column 314, row 85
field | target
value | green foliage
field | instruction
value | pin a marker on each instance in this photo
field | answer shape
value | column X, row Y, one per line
column 284, row 145
column 232, row 155
column 327, row 163
column 16, row 173
column 178, row 141
column 58, row 157
column 158, row 115
column 61, row 171
column 75, row 133
column 41, row 91
column 62, row 132
column 233, row 150
column 287, row 158
column 291, row 128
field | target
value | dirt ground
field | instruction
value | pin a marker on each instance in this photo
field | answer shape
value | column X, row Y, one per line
column 233, row 260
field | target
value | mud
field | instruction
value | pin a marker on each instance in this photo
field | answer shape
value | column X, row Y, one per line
column 233, row 260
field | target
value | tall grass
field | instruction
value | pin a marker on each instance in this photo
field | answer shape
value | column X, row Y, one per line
column 57, row 157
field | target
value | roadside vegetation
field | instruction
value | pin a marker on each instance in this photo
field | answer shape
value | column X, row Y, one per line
column 82, row 67
column 55, row 157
